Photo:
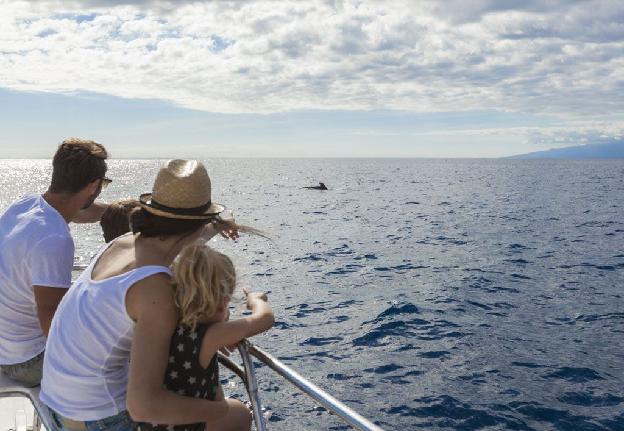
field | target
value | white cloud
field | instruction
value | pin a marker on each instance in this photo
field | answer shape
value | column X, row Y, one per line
column 563, row 58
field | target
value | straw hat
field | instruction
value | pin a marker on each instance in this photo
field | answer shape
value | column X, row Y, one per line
column 181, row 191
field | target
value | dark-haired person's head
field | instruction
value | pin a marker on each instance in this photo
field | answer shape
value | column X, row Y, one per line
column 79, row 166
column 115, row 220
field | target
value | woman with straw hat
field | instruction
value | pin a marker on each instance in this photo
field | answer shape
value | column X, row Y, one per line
column 108, row 346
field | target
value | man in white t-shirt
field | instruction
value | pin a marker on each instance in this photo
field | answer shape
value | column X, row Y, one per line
column 37, row 254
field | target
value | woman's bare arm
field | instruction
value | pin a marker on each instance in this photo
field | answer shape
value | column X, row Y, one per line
column 150, row 303
column 227, row 228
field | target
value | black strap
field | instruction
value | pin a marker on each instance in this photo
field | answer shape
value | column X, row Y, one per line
column 200, row 210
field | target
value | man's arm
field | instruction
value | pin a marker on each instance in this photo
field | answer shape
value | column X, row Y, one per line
column 91, row 214
column 47, row 300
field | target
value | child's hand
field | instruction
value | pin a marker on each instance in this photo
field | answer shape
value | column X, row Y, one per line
column 254, row 297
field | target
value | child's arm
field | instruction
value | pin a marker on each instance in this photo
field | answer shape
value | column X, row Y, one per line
column 231, row 332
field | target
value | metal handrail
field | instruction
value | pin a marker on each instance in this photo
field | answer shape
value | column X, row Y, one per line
column 252, row 385
column 341, row 410
column 232, row 366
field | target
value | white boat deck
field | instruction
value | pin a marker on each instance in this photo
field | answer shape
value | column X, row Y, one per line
column 16, row 406
column 16, row 414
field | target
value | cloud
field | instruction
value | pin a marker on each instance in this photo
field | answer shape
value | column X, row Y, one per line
column 556, row 57
column 461, row 11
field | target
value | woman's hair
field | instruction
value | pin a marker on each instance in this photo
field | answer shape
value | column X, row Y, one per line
column 202, row 279
column 115, row 220
column 151, row 225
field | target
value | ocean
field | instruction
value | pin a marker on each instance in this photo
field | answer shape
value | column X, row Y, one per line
column 425, row 294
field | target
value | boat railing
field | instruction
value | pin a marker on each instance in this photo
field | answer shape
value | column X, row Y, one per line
column 246, row 350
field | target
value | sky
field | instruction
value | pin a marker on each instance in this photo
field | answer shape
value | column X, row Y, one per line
column 318, row 78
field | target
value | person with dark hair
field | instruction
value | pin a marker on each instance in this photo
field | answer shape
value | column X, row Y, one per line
column 37, row 254
column 123, row 307
column 115, row 220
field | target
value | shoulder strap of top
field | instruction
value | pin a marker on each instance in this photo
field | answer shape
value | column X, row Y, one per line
column 145, row 271
column 142, row 272
column 201, row 330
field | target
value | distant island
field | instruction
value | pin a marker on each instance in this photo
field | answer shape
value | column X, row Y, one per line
column 609, row 150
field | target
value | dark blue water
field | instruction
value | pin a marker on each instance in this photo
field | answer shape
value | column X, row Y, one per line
column 426, row 294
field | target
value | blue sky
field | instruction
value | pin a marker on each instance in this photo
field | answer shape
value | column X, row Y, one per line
column 310, row 78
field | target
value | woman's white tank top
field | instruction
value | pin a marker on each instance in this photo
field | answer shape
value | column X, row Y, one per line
column 85, row 370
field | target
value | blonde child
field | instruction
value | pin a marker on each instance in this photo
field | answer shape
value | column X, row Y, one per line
column 204, row 281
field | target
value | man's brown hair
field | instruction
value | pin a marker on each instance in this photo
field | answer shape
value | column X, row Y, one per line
column 77, row 162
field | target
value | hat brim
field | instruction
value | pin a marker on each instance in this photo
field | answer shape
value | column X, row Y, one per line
column 212, row 211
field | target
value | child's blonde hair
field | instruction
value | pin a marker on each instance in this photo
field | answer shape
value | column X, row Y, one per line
column 203, row 278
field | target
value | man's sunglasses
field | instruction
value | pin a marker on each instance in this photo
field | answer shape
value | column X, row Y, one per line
column 105, row 182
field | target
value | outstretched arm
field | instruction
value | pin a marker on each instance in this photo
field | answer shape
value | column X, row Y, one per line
column 150, row 303
column 227, row 228
column 91, row 214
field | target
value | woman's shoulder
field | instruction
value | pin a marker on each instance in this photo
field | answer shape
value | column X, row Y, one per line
column 114, row 259
column 153, row 294
column 124, row 254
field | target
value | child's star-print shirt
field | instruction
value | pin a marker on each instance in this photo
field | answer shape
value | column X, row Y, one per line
column 185, row 376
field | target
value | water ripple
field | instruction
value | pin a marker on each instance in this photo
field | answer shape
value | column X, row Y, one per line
column 576, row 375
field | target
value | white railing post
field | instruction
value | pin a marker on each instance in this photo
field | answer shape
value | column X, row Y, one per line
column 252, row 385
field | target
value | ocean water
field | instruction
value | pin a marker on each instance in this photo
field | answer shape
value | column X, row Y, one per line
column 426, row 294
